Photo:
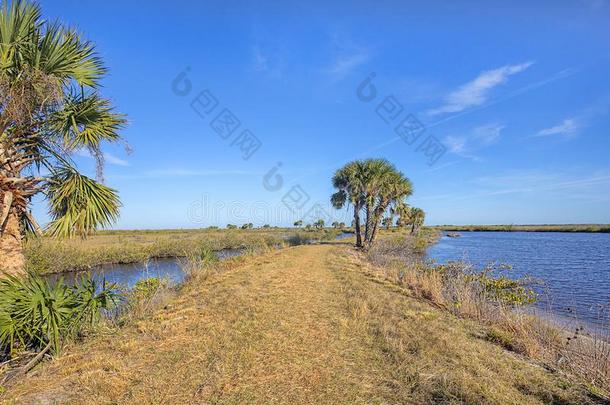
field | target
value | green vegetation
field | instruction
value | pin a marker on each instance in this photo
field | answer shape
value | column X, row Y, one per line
column 588, row 228
column 50, row 107
column 146, row 288
column 48, row 255
column 35, row 314
column 374, row 186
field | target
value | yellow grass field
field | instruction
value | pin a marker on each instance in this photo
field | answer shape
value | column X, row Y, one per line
column 305, row 324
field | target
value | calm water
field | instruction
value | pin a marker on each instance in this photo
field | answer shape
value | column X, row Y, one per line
column 575, row 267
column 128, row 274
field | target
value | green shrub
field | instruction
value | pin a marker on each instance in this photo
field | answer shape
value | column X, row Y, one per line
column 206, row 255
column 146, row 288
column 34, row 313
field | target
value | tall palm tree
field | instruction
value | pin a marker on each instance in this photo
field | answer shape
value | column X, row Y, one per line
column 376, row 175
column 393, row 190
column 417, row 217
column 50, row 107
column 403, row 212
column 348, row 182
column 372, row 185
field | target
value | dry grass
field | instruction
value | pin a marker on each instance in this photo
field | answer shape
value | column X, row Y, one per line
column 47, row 255
column 308, row 324
column 585, row 355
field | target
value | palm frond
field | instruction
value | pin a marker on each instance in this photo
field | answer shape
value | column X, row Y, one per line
column 78, row 204
column 19, row 21
column 86, row 121
column 60, row 52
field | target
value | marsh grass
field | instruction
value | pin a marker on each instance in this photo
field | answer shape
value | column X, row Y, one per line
column 586, row 228
column 46, row 255
column 499, row 303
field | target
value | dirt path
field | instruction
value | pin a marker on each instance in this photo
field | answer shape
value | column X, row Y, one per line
column 300, row 325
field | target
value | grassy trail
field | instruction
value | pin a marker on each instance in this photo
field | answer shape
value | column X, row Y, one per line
column 301, row 325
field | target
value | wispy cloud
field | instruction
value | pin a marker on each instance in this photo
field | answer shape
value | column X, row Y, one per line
column 268, row 59
column 180, row 172
column 480, row 137
column 115, row 160
column 537, row 182
column 346, row 56
column 108, row 157
column 476, row 92
column 567, row 128
column 346, row 63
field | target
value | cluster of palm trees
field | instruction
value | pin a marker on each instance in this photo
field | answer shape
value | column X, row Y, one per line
column 50, row 107
column 338, row 225
column 376, row 188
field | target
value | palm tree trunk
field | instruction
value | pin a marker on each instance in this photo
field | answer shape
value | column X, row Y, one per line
column 374, row 233
column 357, row 226
column 369, row 223
column 12, row 260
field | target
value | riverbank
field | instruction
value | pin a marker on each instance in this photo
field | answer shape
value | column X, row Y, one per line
column 47, row 255
column 304, row 324
column 587, row 228
column 501, row 302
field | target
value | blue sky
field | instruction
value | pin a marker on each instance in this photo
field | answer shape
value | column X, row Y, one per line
column 518, row 94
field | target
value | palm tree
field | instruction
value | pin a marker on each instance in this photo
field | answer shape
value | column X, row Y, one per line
column 319, row 224
column 373, row 185
column 349, row 185
column 403, row 211
column 298, row 223
column 393, row 190
column 50, row 107
column 417, row 218
column 387, row 222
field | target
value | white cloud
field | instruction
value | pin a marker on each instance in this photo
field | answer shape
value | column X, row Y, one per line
column 346, row 63
column 478, row 138
column 563, row 183
column 568, row 128
column 476, row 92
column 179, row 172
column 108, row 157
column 114, row 160
column 268, row 58
column 455, row 144
column 487, row 134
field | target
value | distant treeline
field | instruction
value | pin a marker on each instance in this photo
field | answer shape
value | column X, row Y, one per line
column 591, row 228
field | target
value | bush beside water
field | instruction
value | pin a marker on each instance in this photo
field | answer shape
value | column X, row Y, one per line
column 34, row 313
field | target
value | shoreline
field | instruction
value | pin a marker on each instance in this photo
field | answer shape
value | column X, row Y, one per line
column 566, row 228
